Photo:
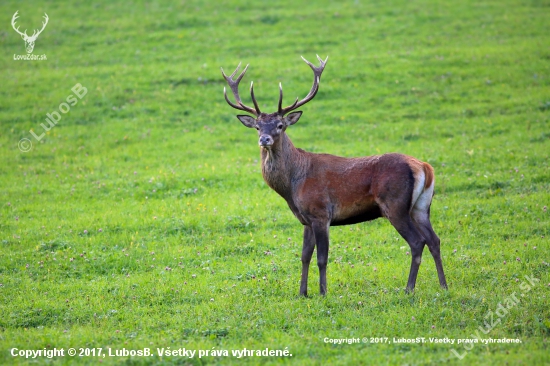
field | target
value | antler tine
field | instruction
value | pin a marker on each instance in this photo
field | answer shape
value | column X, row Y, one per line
column 229, row 102
column 43, row 24
column 237, row 69
column 321, row 60
column 280, row 107
column 289, row 108
column 13, row 19
column 253, row 97
column 234, row 72
column 317, row 71
column 234, row 85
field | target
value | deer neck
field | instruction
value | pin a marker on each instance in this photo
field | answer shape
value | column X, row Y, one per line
column 282, row 165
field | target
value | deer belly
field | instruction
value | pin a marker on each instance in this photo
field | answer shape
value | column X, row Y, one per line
column 347, row 213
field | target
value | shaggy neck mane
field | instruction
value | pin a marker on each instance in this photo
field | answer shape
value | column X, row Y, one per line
column 280, row 163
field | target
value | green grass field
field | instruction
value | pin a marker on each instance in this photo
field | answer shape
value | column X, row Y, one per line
column 141, row 220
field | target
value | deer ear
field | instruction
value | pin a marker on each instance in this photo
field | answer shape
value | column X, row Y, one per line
column 293, row 117
column 248, row 121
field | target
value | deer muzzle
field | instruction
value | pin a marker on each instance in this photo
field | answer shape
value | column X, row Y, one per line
column 265, row 141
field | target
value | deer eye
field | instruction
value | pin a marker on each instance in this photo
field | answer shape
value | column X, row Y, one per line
column 258, row 128
column 280, row 127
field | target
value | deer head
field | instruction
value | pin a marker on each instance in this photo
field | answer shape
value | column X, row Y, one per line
column 29, row 40
column 270, row 126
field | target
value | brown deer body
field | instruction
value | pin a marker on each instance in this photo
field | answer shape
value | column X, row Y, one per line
column 324, row 190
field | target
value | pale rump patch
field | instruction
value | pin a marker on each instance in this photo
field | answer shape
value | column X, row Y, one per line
column 423, row 185
column 423, row 202
column 418, row 187
column 419, row 180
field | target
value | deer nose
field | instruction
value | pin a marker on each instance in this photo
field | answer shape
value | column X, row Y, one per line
column 265, row 140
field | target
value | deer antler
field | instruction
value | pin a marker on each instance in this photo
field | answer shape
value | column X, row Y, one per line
column 317, row 71
column 234, row 85
column 13, row 19
column 37, row 32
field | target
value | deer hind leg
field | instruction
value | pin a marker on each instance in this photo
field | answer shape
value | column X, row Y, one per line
column 406, row 227
column 421, row 219
column 307, row 253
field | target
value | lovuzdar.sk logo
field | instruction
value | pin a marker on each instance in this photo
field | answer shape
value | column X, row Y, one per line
column 29, row 40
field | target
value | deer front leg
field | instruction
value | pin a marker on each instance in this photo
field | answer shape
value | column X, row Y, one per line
column 307, row 253
column 320, row 231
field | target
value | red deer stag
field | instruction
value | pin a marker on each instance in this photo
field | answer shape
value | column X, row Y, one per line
column 324, row 190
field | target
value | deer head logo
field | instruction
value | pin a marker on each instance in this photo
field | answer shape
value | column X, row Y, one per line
column 29, row 40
